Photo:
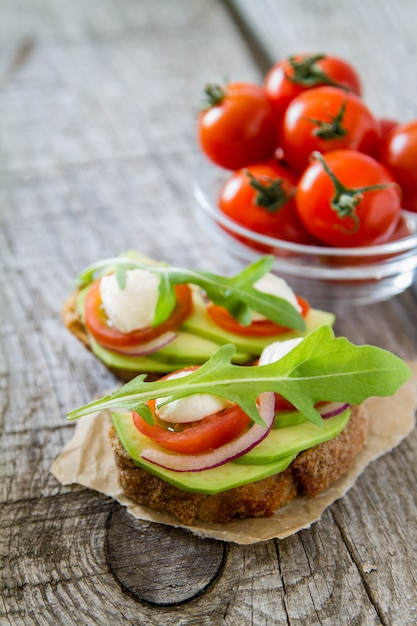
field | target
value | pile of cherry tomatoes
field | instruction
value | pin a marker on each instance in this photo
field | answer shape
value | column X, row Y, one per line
column 309, row 161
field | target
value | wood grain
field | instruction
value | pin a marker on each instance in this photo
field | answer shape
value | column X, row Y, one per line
column 97, row 155
column 142, row 561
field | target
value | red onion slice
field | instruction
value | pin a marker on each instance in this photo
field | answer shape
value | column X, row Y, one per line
column 331, row 409
column 142, row 349
column 228, row 452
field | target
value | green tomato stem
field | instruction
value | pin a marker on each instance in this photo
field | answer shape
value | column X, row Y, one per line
column 272, row 193
column 332, row 129
column 214, row 95
column 307, row 73
column 346, row 199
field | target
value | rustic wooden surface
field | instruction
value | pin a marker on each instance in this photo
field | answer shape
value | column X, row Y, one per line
column 97, row 115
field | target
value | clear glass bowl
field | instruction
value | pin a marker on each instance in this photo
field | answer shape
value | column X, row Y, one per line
column 330, row 278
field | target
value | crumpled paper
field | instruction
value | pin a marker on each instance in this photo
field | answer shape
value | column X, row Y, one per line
column 88, row 460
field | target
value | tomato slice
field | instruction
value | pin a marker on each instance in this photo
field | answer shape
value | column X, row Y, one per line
column 97, row 323
column 281, row 404
column 209, row 433
column 258, row 328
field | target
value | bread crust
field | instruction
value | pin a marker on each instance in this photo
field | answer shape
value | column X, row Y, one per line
column 310, row 473
column 72, row 319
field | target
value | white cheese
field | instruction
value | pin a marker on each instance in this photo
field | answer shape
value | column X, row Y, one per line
column 189, row 409
column 277, row 350
column 134, row 306
column 275, row 286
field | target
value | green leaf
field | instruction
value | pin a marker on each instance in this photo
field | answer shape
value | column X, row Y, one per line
column 237, row 293
column 121, row 275
column 320, row 367
column 166, row 301
column 145, row 412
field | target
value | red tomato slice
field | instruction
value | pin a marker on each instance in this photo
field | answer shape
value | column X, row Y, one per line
column 259, row 328
column 211, row 432
column 281, row 404
column 109, row 337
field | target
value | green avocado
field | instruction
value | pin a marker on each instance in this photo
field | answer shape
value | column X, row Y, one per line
column 288, row 418
column 186, row 350
column 271, row 456
column 134, row 363
column 200, row 323
column 209, row 481
column 290, row 440
column 188, row 347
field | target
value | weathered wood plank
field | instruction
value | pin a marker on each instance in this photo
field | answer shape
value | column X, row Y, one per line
column 97, row 155
column 141, row 561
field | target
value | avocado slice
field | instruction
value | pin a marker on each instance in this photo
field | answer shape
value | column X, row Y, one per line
column 133, row 363
column 290, row 440
column 271, row 456
column 200, row 323
column 209, row 481
column 188, row 347
column 288, row 418
column 186, row 350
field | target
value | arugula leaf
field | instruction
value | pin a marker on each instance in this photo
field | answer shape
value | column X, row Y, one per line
column 320, row 367
column 237, row 293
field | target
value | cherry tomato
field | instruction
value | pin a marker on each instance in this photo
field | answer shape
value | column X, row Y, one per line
column 399, row 155
column 109, row 337
column 211, row 432
column 347, row 198
column 261, row 198
column 401, row 230
column 291, row 76
column 238, row 127
column 386, row 126
column 258, row 328
column 324, row 119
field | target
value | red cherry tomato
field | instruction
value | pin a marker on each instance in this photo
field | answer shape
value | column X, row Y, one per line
column 238, row 127
column 109, row 337
column 324, row 119
column 258, row 328
column 386, row 126
column 211, row 432
column 399, row 155
column 291, row 76
column 261, row 198
column 347, row 198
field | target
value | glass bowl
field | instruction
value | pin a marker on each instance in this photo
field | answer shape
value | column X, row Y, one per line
column 328, row 277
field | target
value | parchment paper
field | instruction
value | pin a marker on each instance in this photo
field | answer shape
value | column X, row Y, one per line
column 88, row 460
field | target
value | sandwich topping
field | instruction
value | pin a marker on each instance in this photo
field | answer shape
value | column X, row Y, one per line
column 142, row 340
column 148, row 317
column 133, row 306
column 276, row 286
column 190, row 409
column 250, row 429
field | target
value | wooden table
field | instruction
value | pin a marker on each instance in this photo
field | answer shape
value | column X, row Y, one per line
column 98, row 102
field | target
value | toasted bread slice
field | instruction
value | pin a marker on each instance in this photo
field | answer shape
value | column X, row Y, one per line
column 310, row 473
